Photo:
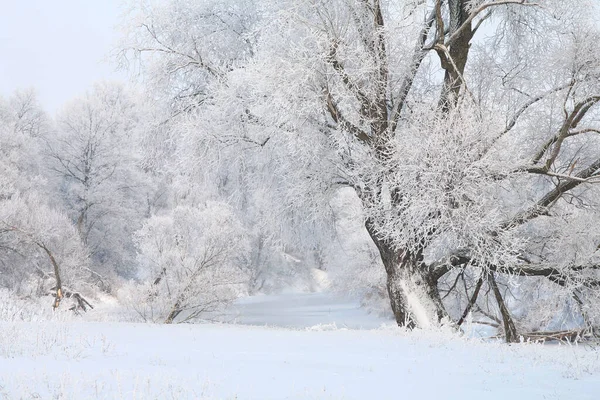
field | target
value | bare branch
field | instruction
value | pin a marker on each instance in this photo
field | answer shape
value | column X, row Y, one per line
column 478, row 11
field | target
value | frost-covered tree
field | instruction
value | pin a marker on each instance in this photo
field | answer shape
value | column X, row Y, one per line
column 205, row 142
column 194, row 259
column 463, row 149
column 39, row 247
column 182, row 47
column 99, row 180
column 47, row 246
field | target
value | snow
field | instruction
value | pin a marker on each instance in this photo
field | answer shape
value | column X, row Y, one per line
column 301, row 310
column 320, row 359
column 416, row 306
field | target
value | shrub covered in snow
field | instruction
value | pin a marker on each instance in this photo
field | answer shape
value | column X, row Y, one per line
column 193, row 263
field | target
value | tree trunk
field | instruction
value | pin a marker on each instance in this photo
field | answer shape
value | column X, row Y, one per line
column 181, row 298
column 510, row 331
column 175, row 311
column 59, row 291
column 455, row 60
column 413, row 293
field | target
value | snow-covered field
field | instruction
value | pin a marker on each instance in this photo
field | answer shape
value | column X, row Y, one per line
column 317, row 357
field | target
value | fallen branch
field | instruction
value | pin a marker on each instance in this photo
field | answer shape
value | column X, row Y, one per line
column 81, row 302
column 570, row 336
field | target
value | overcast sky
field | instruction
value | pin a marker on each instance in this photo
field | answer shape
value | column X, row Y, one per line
column 59, row 47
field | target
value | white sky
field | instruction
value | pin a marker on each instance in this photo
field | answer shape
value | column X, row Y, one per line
column 59, row 47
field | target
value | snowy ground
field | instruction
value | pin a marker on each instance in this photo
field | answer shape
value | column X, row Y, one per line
column 77, row 360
